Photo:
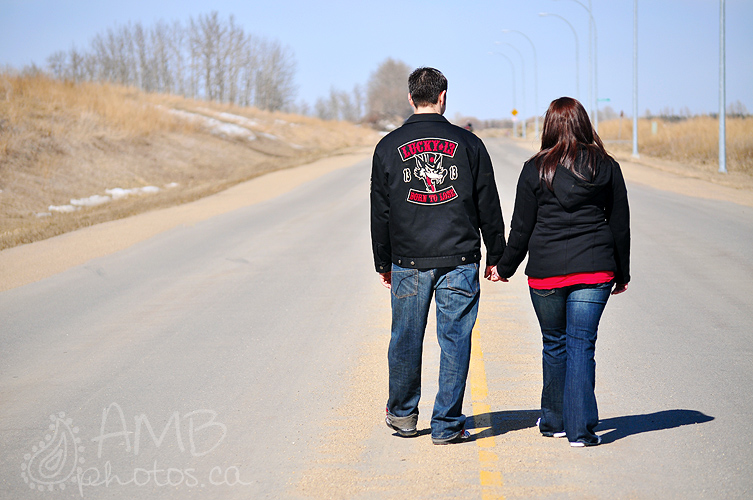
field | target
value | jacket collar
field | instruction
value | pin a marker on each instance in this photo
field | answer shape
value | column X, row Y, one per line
column 426, row 117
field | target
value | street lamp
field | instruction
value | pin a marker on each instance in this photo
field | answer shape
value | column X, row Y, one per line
column 512, row 67
column 722, row 93
column 593, row 99
column 577, row 60
column 535, row 78
column 523, row 90
column 635, row 79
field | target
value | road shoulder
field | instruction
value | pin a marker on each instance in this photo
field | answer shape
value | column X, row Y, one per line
column 35, row 261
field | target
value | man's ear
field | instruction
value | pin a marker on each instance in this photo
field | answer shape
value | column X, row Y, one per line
column 410, row 100
column 442, row 101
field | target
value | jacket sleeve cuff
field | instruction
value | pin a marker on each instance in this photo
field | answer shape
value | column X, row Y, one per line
column 383, row 267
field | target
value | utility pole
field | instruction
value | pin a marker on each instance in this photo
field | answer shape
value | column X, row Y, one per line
column 722, row 94
column 635, row 79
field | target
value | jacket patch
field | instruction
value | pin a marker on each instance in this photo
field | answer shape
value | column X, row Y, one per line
column 429, row 155
column 424, row 198
column 417, row 147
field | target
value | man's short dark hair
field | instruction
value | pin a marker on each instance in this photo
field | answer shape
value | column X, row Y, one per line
column 425, row 85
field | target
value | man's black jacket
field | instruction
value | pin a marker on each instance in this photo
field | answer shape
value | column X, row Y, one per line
column 581, row 226
column 432, row 190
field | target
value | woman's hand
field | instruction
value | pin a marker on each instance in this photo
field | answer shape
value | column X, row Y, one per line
column 619, row 288
column 492, row 275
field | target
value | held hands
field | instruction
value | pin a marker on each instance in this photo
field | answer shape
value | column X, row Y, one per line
column 491, row 274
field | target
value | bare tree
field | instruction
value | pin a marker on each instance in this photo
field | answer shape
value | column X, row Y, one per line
column 359, row 102
column 248, row 60
column 341, row 105
column 142, row 71
column 176, row 40
column 323, row 109
column 208, row 58
column 209, row 33
column 274, row 87
column 57, row 63
column 737, row 109
column 160, row 57
column 387, row 91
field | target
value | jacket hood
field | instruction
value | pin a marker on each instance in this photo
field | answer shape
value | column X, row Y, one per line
column 572, row 191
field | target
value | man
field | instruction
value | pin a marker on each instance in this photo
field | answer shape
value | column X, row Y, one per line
column 432, row 190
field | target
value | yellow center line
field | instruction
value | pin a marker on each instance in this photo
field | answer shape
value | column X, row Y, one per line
column 489, row 475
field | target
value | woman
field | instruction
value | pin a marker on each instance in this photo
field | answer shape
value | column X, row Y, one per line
column 571, row 216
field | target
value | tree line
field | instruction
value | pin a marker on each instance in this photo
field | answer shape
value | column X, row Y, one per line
column 383, row 102
column 215, row 59
column 205, row 58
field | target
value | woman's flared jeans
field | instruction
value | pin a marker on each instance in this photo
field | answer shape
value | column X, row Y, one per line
column 569, row 319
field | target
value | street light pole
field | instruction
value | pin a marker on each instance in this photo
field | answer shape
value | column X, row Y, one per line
column 523, row 89
column 577, row 50
column 593, row 33
column 535, row 78
column 635, row 79
column 512, row 67
column 722, row 93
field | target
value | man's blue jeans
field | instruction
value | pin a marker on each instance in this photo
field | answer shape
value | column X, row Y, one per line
column 456, row 292
column 569, row 319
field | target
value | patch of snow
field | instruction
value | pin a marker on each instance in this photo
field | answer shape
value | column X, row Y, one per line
column 242, row 120
column 63, row 209
column 216, row 126
column 94, row 200
column 91, row 201
column 171, row 185
column 118, row 193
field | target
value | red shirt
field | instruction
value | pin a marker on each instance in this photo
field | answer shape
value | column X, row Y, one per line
column 570, row 279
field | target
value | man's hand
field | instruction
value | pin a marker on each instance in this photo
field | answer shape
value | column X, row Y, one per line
column 386, row 279
column 619, row 288
column 491, row 274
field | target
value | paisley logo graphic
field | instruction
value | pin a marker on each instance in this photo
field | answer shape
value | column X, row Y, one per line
column 54, row 461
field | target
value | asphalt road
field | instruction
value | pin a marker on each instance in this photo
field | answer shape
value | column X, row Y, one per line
column 244, row 357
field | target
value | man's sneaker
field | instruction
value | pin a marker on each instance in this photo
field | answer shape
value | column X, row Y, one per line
column 460, row 437
column 404, row 426
column 550, row 434
column 581, row 444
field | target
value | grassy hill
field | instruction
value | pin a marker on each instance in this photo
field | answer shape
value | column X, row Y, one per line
column 72, row 155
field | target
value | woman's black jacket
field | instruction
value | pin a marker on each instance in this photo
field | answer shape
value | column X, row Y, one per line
column 579, row 226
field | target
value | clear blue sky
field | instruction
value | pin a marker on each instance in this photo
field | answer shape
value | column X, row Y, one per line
column 340, row 43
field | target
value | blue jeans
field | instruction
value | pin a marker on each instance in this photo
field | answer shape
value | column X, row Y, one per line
column 569, row 319
column 456, row 292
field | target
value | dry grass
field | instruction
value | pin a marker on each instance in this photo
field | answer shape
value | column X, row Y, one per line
column 694, row 141
column 60, row 141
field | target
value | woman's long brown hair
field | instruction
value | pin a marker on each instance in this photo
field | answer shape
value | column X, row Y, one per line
column 567, row 130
